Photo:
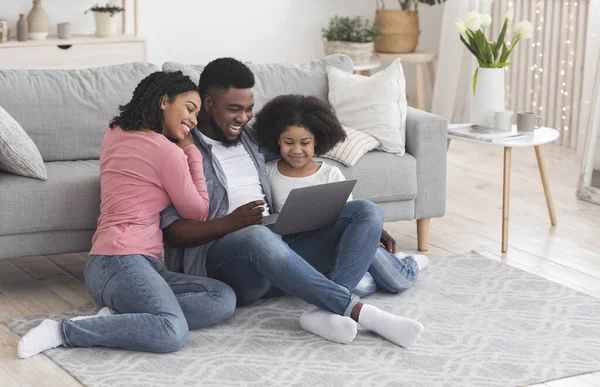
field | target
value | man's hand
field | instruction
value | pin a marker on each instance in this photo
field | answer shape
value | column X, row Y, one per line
column 187, row 140
column 246, row 215
column 388, row 242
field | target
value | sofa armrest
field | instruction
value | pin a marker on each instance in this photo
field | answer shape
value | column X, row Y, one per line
column 426, row 136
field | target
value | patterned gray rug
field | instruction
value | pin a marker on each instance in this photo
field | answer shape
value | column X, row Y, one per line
column 486, row 324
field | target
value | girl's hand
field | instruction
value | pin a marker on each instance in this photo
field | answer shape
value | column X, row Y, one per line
column 388, row 242
column 187, row 140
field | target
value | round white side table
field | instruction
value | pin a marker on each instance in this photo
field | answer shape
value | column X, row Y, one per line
column 365, row 69
column 534, row 139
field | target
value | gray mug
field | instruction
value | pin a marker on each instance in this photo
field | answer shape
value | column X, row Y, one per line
column 528, row 122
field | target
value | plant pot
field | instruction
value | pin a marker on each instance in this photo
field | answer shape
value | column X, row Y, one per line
column 360, row 53
column 38, row 22
column 399, row 31
column 489, row 95
column 106, row 25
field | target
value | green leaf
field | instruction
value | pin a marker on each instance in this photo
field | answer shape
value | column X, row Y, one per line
column 500, row 40
column 468, row 46
column 498, row 65
column 475, row 79
column 481, row 45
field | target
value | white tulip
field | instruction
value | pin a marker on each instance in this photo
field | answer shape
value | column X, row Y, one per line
column 462, row 29
column 473, row 15
column 524, row 29
column 473, row 21
column 474, row 24
column 510, row 14
column 486, row 20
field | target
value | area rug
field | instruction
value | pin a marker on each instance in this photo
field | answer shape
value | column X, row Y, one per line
column 486, row 324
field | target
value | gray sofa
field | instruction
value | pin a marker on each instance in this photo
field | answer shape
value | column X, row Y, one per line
column 65, row 112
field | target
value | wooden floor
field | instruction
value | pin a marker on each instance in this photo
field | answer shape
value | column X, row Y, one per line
column 568, row 254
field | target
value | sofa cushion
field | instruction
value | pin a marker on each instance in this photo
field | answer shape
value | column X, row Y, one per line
column 68, row 200
column 18, row 154
column 382, row 177
column 273, row 80
column 65, row 112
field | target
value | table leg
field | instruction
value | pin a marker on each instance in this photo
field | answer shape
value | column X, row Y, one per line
column 545, row 183
column 506, row 197
column 448, row 144
column 431, row 75
column 420, row 87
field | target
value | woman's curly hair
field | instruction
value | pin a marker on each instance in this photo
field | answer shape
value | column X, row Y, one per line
column 309, row 112
column 143, row 110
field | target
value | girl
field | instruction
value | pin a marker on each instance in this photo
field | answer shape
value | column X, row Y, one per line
column 148, row 160
column 299, row 127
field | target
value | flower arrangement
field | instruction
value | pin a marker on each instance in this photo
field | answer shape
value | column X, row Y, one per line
column 490, row 54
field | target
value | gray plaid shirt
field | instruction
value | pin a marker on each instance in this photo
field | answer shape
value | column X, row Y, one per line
column 192, row 260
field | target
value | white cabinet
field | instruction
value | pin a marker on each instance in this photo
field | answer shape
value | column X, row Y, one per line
column 77, row 52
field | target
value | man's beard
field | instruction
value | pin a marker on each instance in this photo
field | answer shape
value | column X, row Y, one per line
column 221, row 137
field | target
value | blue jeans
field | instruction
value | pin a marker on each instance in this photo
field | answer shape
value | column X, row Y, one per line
column 156, row 307
column 389, row 273
column 319, row 266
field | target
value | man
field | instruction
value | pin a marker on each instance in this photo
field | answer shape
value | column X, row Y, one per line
column 319, row 266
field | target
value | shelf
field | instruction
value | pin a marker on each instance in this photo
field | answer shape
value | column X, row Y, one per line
column 75, row 39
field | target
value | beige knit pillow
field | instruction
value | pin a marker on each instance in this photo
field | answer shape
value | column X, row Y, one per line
column 18, row 153
column 355, row 146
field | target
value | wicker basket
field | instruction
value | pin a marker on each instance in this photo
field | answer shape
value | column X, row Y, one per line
column 399, row 31
column 360, row 53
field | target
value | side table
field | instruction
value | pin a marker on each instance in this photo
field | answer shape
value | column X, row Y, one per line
column 420, row 59
column 534, row 139
column 365, row 69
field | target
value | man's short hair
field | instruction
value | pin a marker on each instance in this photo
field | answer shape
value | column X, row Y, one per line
column 225, row 73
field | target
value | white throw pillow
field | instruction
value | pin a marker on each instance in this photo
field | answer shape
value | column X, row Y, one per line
column 375, row 105
column 18, row 153
column 355, row 146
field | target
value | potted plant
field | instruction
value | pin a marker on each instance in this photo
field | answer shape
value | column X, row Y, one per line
column 399, row 27
column 106, row 21
column 492, row 56
column 351, row 36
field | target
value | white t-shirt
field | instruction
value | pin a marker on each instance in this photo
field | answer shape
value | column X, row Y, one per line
column 281, row 185
column 243, row 185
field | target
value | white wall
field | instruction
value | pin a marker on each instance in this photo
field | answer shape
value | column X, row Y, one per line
column 259, row 31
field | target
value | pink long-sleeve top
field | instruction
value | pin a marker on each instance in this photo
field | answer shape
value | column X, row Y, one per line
column 142, row 173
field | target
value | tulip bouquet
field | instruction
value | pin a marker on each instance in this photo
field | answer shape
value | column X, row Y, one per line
column 490, row 54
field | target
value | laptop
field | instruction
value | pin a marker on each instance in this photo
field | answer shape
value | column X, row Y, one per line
column 310, row 208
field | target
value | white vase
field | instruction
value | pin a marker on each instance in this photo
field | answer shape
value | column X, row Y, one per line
column 106, row 25
column 489, row 96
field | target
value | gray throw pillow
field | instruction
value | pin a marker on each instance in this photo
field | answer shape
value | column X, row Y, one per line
column 18, row 153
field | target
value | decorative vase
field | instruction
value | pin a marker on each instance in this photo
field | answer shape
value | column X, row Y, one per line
column 38, row 22
column 489, row 95
column 22, row 29
column 106, row 24
column 399, row 30
column 360, row 53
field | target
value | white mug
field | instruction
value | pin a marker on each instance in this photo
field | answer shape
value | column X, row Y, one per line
column 500, row 120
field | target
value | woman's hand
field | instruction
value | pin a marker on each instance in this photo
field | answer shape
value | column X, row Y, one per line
column 187, row 140
column 388, row 242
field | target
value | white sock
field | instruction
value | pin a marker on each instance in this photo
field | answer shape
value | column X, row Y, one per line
column 44, row 336
column 328, row 325
column 422, row 260
column 106, row 311
column 399, row 330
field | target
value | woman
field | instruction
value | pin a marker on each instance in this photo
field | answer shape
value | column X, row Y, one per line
column 148, row 161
